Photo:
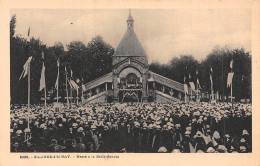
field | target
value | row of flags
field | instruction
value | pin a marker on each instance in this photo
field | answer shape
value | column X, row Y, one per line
column 192, row 85
column 71, row 82
column 26, row 69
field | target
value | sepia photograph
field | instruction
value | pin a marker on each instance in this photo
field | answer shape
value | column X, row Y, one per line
column 130, row 81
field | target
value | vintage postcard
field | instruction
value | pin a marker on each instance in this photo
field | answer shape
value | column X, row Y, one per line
column 91, row 82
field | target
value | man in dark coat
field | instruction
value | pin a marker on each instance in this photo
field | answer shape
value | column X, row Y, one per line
column 156, row 144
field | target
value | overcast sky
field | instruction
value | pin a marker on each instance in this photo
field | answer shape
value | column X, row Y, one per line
column 164, row 34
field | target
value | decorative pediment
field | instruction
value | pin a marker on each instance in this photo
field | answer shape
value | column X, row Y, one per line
column 130, row 62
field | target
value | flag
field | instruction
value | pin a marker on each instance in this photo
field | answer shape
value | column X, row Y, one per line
column 192, row 85
column 198, row 83
column 186, row 88
column 29, row 31
column 57, row 81
column 211, row 72
column 229, row 79
column 211, row 79
column 42, row 55
column 58, row 62
column 74, row 85
column 42, row 80
column 84, row 88
column 231, row 64
column 25, row 67
column 70, row 84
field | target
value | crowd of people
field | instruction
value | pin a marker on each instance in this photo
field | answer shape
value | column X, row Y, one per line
column 133, row 128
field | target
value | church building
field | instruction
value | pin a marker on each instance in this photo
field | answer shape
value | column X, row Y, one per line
column 130, row 79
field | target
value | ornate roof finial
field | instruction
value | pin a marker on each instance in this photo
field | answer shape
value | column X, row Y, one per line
column 130, row 21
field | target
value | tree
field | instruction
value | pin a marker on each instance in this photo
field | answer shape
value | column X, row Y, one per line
column 177, row 68
column 101, row 55
column 76, row 50
column 184, row 66
column 12, row 25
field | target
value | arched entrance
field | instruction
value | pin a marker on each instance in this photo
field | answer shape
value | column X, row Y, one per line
column 130, row 85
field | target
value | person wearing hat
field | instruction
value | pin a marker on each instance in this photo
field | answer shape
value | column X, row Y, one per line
column 21, row 125
column 162, row 150
column 15, row 147
column 105, row 138
column 187, row 142
column 122, row 133
column 167, row 137
column 216, row 139
column 149, row 139
column 136, row 136
column 177, row 135
column 156, row 138
column 222, row 149
column 55, row 147
column 210, row 150
column 199, row 141
column 60, row 131
column 69, row 146
column 144, row 137
column 227, row 142
column 29, row 147
column 114, row 139
column 80, row 133
column 79, row 146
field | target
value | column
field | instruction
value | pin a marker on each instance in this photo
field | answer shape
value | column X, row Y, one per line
column 115, row 90
column 144, row 89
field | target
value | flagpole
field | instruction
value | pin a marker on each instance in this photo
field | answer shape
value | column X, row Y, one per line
column 67, row 94
column 71, row 94
column 82, row 93
column 58, row 84
column 29, row 87
column 231, row 85
column 197, row 91
column 185, row 97
column 77, row 97
column 191, row 94
column 211, row 83
column 45, row 102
